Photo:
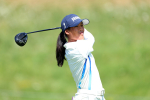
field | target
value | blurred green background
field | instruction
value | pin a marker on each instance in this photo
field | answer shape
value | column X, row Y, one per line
column 122, row 48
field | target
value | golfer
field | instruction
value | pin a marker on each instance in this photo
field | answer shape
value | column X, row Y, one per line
column 75, row 45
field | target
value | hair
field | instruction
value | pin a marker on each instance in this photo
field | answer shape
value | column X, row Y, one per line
column 60, row 50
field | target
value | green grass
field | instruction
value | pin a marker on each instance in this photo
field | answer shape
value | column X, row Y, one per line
column 121, row 51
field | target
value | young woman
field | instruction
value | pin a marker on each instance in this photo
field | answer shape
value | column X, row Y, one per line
column 77, row 51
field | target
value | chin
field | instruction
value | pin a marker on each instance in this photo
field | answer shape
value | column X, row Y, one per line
column 81, row 38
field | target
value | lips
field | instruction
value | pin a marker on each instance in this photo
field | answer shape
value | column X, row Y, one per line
column 81, row 32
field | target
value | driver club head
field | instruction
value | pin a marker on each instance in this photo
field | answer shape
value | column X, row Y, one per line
column 21, row 38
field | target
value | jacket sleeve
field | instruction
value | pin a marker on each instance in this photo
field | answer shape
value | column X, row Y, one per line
column 89, row 37
column 85, row 46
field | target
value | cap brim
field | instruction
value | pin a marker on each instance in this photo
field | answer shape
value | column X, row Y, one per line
column 85, row 21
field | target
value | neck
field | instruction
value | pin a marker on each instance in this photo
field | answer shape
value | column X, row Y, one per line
column 71, row 40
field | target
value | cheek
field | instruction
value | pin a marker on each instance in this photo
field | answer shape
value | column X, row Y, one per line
column 75, row 32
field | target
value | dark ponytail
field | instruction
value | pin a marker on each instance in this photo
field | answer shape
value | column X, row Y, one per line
column 60, row 50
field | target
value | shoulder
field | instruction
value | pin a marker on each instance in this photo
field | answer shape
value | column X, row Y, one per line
column 78, row 48
column 79, row 44
column 70, row 45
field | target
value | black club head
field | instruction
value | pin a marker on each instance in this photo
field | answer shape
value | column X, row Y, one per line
column 21, row 38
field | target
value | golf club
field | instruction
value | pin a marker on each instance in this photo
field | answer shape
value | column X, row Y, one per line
column 21, row 38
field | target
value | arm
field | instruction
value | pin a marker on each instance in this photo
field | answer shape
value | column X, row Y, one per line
column 85, row 46
column 89, row 37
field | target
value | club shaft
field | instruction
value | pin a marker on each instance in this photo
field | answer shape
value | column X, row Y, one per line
column 44, row 30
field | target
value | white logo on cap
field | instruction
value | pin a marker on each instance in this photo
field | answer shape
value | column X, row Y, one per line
column 74, row 18
column 64, row 25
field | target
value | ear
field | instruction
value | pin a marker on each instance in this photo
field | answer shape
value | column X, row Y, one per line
column 67, row 32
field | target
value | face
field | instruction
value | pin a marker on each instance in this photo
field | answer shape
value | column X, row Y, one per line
column 75, row 33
